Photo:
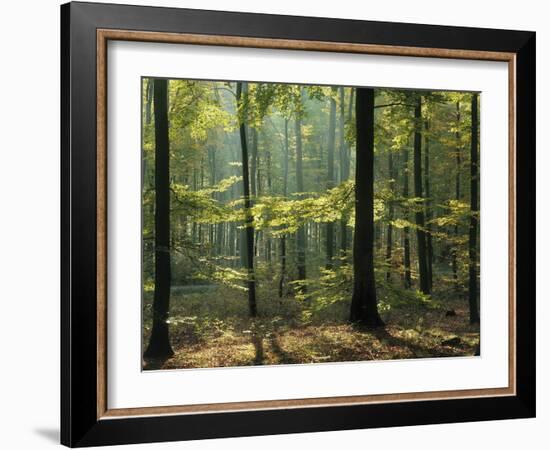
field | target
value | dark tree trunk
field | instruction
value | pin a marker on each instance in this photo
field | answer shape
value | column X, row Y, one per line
column 474, row 210
column 201, row 186
column 457, row 196
column 282, row 279
column 406, row 230
column 211, row 227
column 148, row 105
column 364, row 307
column 330, row 175
column 344, row 171
column 219, row 238
column 249, row 226
column 429, row 240
column 267, row 236
column 389, row 235
column 419, row 213
column 159, row 342
column 254, row 163
column 254, row 179
column 231, row 241
column 301, row 234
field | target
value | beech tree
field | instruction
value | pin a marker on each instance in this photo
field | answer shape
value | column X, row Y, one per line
column 474, row 208
column 428, row 207
column 419, row 214
column 406, row 228
column 458, row 160
column 344, row 164
column 364, row 307
column 301, row 242
column 330, row 173
column 249, row 224
column 159, row 342
column 389, row 236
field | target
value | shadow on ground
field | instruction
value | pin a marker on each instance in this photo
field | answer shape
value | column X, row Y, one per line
column 49, row 434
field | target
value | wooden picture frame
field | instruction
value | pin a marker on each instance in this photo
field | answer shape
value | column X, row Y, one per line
column 85, row 417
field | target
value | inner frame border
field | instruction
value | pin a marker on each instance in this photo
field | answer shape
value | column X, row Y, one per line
column 104, row 35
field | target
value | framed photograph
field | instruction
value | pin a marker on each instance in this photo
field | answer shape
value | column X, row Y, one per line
column 276, row 224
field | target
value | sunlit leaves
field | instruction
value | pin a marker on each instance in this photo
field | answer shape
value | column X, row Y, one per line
column 226, row 276
column 199, row 205
column 286, row 216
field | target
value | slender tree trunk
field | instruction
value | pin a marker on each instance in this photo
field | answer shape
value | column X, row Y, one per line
column 419, row 213
column 249, row 230
column 195, row 188
column 159, row 342
column 344, row 172
column 254, row 178
column 282, row 279
column 406, row 229
column 389, row 236
column 267, row 236
column 219, row 238
column 259, row 239
column 474, row 210
column 330, row 175
column 457, row 196
column 301, row 234
column 231, row 241
column 350, row 118
column 201, row 187
column 429, row 240
column 211, row 227
column 148, row 100
column 144, row 165
column 254, row 163
column 364, row 307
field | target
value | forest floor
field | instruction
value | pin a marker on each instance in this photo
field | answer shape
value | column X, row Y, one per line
column 211, row 329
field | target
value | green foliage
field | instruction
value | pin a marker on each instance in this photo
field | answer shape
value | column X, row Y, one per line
column 198, row 206
column 333, row 286
column 225, row 276
column 286, row 216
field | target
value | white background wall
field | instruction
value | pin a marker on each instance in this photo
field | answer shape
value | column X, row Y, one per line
column 29, row 224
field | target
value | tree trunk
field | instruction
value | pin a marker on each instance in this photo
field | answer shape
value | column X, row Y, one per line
column 429, row 240
column 267, row 235
column 330, row 175
column 254, row 179
column 389, row 236
column 201, row 187
column 254, row 163
column 159, row 342
column 301, row 234
column 350, row 118
column 474, row 210
column 148, row 100
column 457, row 196
column 212, row 162
column 406, row 229
column 249, row 226
column 282, row 279
column 419, row 213
column 364, row 307
column 344, row 172
column 231, row 240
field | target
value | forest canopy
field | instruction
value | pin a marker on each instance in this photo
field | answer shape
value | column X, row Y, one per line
column 289, row 223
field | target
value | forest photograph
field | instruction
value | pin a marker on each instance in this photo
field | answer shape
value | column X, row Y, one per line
column 300, row 224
